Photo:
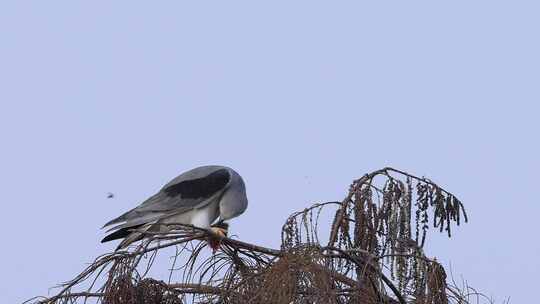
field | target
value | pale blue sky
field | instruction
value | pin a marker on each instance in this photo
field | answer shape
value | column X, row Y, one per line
column 300, row 97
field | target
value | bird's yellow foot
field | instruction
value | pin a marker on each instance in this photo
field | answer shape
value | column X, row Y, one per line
column 218, row 231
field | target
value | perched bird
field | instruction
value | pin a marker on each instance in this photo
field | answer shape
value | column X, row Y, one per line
column 197, row 197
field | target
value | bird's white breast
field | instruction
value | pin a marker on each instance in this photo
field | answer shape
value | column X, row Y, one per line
column 205, row 216
column 201, row 217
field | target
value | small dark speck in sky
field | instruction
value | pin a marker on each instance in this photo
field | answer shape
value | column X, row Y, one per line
column 110, row 195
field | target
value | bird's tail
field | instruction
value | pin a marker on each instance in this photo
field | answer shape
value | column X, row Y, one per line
column 128, row 234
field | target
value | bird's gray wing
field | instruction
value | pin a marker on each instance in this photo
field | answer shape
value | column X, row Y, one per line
column 191, row 190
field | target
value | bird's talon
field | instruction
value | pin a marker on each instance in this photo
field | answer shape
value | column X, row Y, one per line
column 220, row 232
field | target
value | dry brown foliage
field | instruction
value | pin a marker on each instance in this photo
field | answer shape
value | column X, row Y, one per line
column 374, row 254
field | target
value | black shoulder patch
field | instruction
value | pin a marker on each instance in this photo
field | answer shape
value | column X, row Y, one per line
column 200, row 187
